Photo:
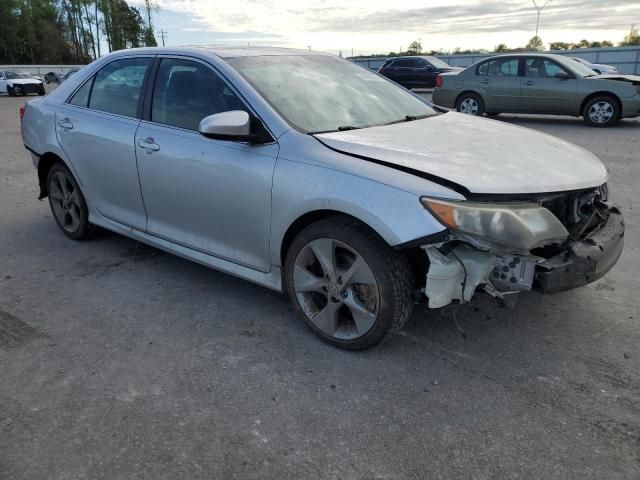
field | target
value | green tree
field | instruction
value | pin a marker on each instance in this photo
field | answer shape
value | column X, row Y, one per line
column 535, row 44
column 633, row 38
column 559, row 46
column 501, row 48
column 415, row 48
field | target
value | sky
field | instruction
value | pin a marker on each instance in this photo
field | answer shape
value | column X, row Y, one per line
column 380, row 26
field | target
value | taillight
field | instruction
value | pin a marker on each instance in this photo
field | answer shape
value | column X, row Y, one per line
column 21, row 113
column 439, row 81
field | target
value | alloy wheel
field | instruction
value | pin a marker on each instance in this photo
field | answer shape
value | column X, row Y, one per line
column 601, row 112
column 469, row 106
column 65, row 202
column 336, row 289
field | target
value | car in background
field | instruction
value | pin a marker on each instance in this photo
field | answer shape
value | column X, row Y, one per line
column 539, row 84
column 596, row 67
column 15, row 83
column 71, row 72
column 415, row 71
column 53, row 77
column 29, row 74
column 353, row 199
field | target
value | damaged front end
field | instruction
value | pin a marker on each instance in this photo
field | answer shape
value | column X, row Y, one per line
column 547, row 243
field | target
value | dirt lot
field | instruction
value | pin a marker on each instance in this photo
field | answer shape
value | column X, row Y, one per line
column 120, row 361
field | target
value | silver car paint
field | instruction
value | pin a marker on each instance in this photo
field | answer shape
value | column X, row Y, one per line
column 233, row 228
column 463, row 149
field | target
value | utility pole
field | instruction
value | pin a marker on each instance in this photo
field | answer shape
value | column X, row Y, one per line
column 539, row 10
column 163, row 34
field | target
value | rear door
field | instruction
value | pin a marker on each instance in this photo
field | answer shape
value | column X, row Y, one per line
column 210, row 195
column 498, row 82
column 543, row 91
column 96, row 129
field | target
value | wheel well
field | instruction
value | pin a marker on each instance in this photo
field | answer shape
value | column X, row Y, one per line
column 417, row 257
column 465, row 92
column 47, row 160
column 300, row 224
column 600, row 94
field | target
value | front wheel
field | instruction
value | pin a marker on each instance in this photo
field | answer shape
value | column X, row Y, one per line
column 12, row 91
column 471, row 104
column 67, row 203
column 349, row 286
column 602, row 111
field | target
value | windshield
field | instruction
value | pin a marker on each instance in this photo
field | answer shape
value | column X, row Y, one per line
column 436, row 62
column 14, row 75
column 320, row 93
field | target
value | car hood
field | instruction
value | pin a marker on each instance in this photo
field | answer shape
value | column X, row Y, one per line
column 23, row 81
column 635, row 79
column 483, row 156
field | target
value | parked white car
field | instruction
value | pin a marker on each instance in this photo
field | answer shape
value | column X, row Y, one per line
column 596, row 67
column 20, row 84
column 306, row 173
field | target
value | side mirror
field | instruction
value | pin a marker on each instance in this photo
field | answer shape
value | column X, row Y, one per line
column 232, row 125
column 563, row 76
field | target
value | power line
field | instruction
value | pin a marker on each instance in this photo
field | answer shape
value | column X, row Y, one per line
column 163, row 34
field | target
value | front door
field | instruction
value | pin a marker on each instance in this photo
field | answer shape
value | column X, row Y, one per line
column 547, row 87
column 96, row 129
column 210, row 195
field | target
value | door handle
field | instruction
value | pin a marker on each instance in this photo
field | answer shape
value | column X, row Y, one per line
column 149, row 145
column 65, row 123
column 484, row 82
column 529, row 82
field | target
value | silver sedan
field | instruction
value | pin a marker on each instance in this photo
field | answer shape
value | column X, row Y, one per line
column 308, row 174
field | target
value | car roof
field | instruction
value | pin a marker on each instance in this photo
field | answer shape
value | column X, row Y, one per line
column 220, row 51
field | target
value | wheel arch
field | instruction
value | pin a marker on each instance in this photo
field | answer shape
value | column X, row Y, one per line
column 45, row 162
column 601, row 93
column 455, row 104
column 309, row 218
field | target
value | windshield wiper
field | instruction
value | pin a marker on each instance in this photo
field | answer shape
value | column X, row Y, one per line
column 342, row 128
column 410, row 118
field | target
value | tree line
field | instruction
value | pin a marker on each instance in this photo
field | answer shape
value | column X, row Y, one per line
column 71, row 31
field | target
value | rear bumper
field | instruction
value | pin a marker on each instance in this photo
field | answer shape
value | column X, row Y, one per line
column 585, row 261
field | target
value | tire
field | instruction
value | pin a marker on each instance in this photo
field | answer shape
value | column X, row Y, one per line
column 11, row 91
column 601, row 111
column 492, row 114
column 471, row 104
column 379, row 292
column 41, row 91
column 67, row 203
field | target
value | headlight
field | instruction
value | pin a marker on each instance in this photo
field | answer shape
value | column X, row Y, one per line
column 521, row 226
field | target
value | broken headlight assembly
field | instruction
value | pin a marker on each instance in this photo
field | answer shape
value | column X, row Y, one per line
column 509, row 227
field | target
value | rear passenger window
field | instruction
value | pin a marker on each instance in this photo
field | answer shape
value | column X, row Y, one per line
column 117, row 86
column 499, row 67
column 81, row 97
column 185, row 92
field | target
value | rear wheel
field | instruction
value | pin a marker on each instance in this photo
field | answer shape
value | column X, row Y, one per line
column 349, row 286
column 67, row 203
column 471, row 104
column 602, row 111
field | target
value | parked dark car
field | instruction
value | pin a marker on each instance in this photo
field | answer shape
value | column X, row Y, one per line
column 53, row 77
column 415, row 72
column 71, row 72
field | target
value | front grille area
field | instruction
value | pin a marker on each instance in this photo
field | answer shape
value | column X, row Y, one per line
column 30, row 88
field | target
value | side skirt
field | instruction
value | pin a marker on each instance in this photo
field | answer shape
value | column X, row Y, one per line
column 272, row 279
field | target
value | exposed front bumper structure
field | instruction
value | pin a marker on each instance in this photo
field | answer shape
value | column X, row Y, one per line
column 457, row 270
column 585, row 261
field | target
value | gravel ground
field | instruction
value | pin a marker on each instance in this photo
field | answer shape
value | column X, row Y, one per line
column 120, row 361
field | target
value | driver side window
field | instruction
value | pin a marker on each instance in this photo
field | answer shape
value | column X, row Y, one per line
column 185, row 92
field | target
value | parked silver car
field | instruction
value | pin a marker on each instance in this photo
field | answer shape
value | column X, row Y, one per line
column 596, row 67
column 305, row 173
